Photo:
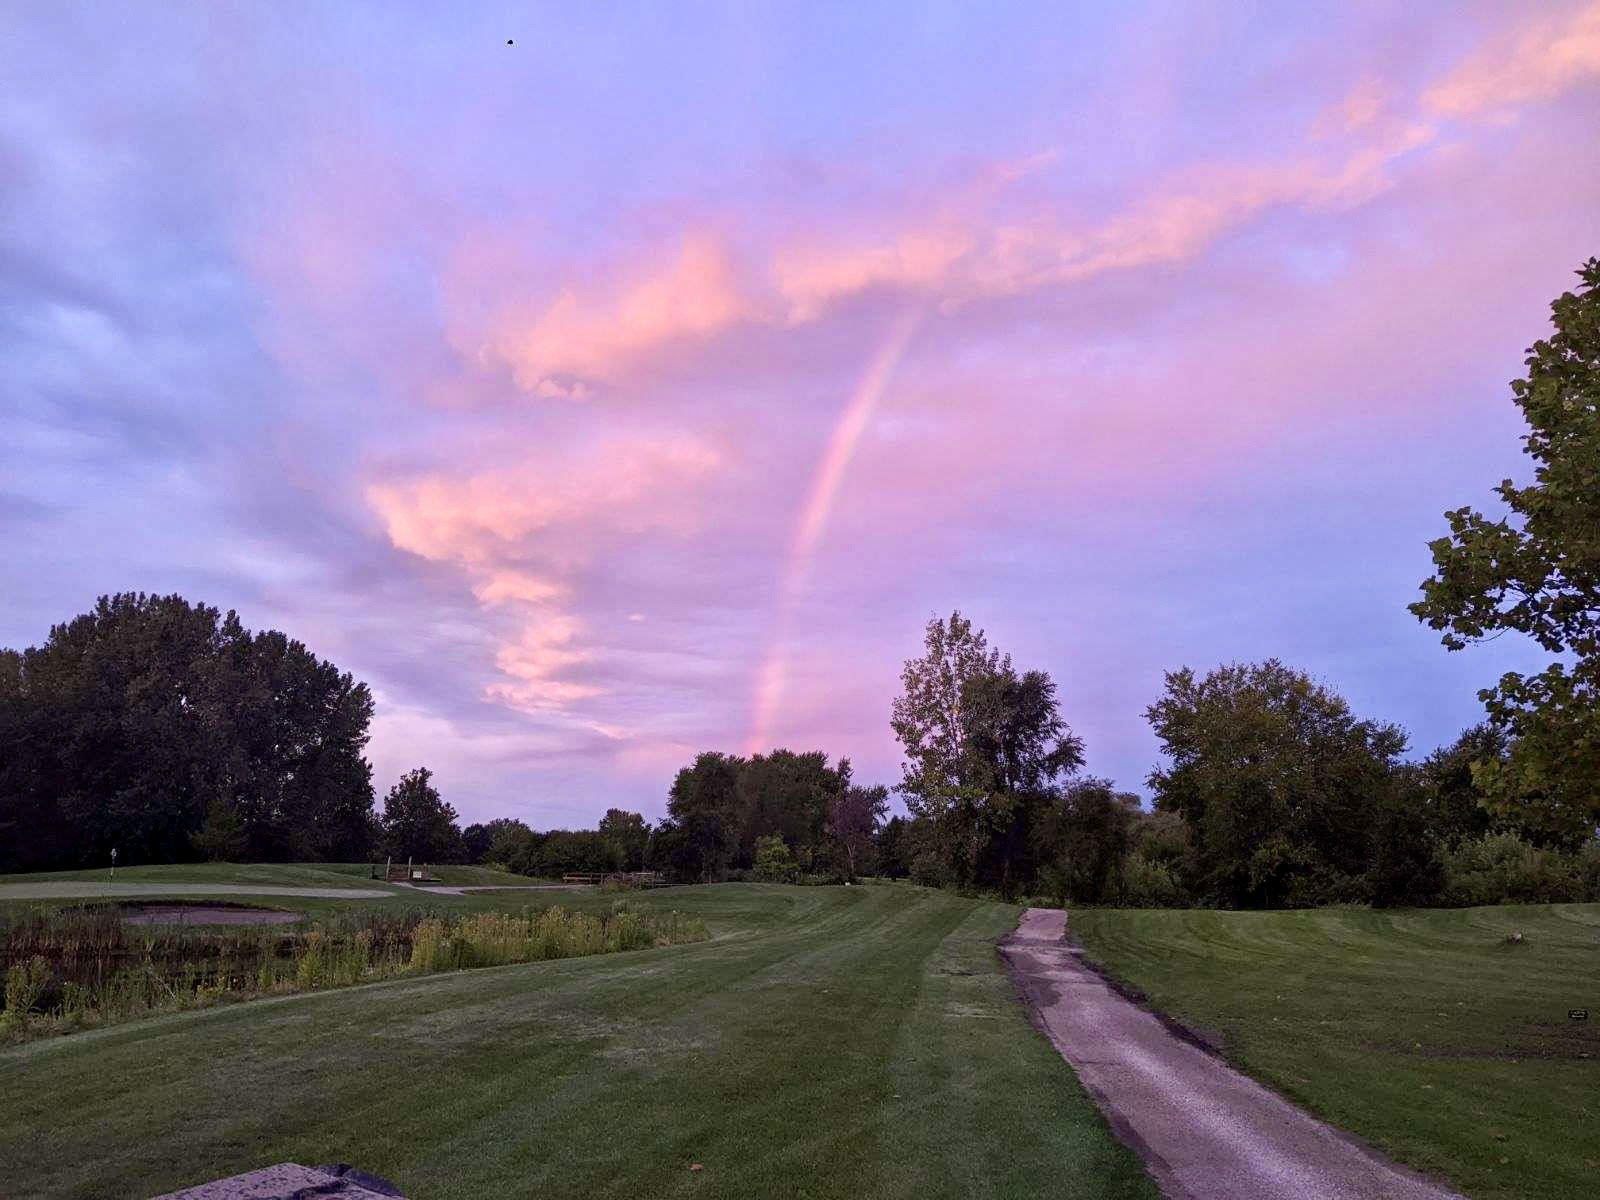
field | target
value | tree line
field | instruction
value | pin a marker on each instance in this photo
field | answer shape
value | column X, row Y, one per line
column 1272, row 791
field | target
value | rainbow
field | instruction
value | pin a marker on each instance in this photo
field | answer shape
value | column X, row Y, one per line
column 814, row 515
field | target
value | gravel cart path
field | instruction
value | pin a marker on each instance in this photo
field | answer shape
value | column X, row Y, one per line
column 1205, row 1131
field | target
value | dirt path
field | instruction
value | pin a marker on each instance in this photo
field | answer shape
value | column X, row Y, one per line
column 62, row 889
column 1206, row 1131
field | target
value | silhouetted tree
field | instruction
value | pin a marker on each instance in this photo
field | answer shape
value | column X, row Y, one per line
column 703, row 818
column 418, row 823
column 628, row 834
column 152, row 722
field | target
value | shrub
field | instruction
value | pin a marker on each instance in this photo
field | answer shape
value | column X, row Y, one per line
column 930, row 870
column 25, row 983
column 1147, row 884
column 1589, row 871
column 773, row 861
column 1501, row 868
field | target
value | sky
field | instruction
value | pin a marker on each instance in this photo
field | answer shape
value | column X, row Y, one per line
column 605, row 383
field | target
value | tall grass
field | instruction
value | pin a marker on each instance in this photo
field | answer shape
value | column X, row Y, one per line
column 67, row 969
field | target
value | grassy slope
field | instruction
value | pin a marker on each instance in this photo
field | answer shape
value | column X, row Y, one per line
column 829, row 1042
column 1422, row 1031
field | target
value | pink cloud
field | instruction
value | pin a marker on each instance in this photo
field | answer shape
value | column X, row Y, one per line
column 525, row 539
column 482, row 519
column 594, row 335
column 1524, row 67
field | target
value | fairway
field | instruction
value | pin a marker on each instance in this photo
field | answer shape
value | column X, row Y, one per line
column 825, row 1042
column 317, row 875
column 1425, row 1032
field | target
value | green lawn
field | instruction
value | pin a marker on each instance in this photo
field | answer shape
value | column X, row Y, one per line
column 1423, row 1031
column 276, row 874
column 827, row 1042
column 356, row 875
column 483, row 877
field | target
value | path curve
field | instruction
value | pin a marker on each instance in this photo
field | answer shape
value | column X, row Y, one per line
column 62, row 889
column 1205, row 1131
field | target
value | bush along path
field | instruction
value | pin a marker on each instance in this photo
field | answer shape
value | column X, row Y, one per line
column 1205, row 1131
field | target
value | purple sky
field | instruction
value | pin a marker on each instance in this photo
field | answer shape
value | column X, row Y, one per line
column 642, row 387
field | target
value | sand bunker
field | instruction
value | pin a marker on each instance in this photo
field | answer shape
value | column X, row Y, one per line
column 206, row 914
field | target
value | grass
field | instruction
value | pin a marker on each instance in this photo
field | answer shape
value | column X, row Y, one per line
column 825, row 1042
column 1425, row 1032
column 354, row 875
column 323, row 875
column 483, row 877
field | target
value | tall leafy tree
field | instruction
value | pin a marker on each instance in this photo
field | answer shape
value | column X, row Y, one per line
column 1536, row 570
column 418, row 823
column 168, row 731
column 791, row 795
column 701, row 832
column 982, row 743
column 1278, row 780
column 629, row 834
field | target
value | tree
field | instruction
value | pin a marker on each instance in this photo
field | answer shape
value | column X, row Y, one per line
column 514, row 846
column 1276, row 778
column 478, row 841
column 1455, row 804
column 1406, row 865
column 894, row 858
column 1536, row 571
column 703, row 813
column 788, row 794
column 628, row 834
column 417, row 822
column 853, row 817
column 981, row 742
column 152, row 721
column 1082, row 836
